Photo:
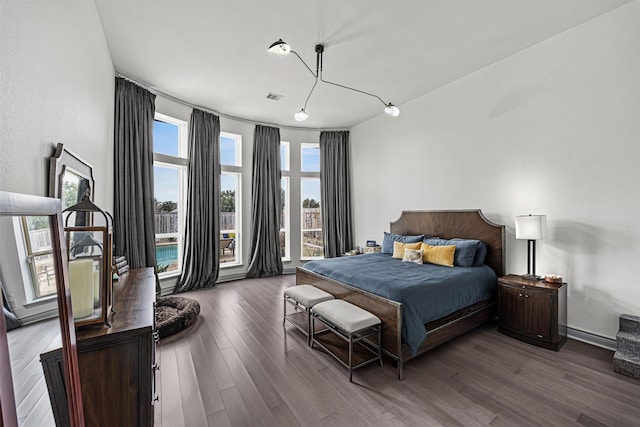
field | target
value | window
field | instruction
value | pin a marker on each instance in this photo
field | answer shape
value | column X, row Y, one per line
column 311, row 215
column 169, row 180
column 285, row 249
column 230, row 199
column 284, row 156
column 310, row 158
column 39, row 254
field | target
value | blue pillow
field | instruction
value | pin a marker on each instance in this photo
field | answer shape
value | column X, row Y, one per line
column 481, row 250
column 387, row 241
column 465, row 249
column 481, row 254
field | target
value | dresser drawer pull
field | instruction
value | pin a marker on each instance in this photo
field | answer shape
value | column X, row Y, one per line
column 526, row 296
column 540, row 336
column 520, row 294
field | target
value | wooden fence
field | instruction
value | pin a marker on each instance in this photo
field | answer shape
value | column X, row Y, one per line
column 311, row 218
column 167, row 222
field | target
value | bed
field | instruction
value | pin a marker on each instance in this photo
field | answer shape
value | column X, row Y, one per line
column 465, row 224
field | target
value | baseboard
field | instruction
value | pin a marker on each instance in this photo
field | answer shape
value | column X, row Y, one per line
column 167, row 286
column 45, row 315
column 232, row 277
column 590, row 338
column 243, row 275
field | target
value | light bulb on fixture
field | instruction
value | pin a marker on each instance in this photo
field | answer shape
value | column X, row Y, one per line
column 392, row 110
column 279, row 48
column 301, row 115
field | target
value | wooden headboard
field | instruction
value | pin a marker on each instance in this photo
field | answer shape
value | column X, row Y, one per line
column 465, row 224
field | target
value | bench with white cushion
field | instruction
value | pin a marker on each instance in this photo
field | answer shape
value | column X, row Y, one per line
column 303, row 298
column 352, row 324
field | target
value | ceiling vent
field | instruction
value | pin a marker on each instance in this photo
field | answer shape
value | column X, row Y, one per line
column 274, row 96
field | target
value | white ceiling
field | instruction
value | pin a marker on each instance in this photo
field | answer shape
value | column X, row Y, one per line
column 213, row 53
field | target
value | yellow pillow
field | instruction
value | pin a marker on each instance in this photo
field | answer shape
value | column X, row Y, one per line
column 441, row 255
column 398, row 248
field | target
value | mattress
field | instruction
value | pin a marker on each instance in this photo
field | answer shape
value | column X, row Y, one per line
column 427, row 292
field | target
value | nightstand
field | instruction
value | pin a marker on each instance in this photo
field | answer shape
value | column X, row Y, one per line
column 372, row 249
column 533, row 311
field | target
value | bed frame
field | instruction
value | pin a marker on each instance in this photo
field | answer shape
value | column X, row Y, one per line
column 467, row 224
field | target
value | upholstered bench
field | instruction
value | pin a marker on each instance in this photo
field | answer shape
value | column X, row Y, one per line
column 303, row 298
column 352, row 324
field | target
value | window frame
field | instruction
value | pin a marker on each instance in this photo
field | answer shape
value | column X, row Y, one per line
column 180, row 163
column 304, row 145
column 33, row 295
column 304, row 176
column 285, row 177
column 238, row 171
column 238, row 152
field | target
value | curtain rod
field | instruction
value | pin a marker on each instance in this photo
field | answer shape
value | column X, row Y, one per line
column 208, row 110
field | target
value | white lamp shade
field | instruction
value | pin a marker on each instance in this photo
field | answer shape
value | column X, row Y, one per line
column 531, row 227
column 301, row 115
column 279, row 48
column 392, row 110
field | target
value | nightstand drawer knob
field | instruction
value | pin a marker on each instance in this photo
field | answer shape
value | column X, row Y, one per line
column 520, row 294
column 526, row 296
column 540, row 336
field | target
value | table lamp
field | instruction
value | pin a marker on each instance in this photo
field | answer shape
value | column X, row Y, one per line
column 531, row 228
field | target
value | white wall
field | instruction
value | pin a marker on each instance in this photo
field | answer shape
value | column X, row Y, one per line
column 56, row 85
column 246, row 129
column 554, row 129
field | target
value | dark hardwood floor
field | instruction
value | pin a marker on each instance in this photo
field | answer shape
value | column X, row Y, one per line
column 238, row 367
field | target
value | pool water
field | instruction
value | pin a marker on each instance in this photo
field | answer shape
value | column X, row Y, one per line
column 166, row 254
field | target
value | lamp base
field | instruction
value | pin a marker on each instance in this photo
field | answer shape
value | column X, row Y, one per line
column 530, row 277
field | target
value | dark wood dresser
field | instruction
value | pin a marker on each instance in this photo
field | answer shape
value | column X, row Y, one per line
column 533, row 311
column 117, row 365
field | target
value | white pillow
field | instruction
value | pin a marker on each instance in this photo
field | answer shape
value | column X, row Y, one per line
column 413, row 255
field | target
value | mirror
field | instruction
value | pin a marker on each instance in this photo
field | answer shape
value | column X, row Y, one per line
column 40, row 219
column 70, row 178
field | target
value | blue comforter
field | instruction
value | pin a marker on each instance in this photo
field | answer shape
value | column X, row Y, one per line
column 427, row 291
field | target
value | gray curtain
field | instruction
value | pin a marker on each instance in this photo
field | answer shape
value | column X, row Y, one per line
column 335, row 193
column 265, row 203
column 134, row 207
column 11, row 320
column 200, row 265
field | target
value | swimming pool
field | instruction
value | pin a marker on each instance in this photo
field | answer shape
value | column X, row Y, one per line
column 166, row 254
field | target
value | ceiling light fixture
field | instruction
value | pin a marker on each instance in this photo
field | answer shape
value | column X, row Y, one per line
column 301, row 115
column 281, row 48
